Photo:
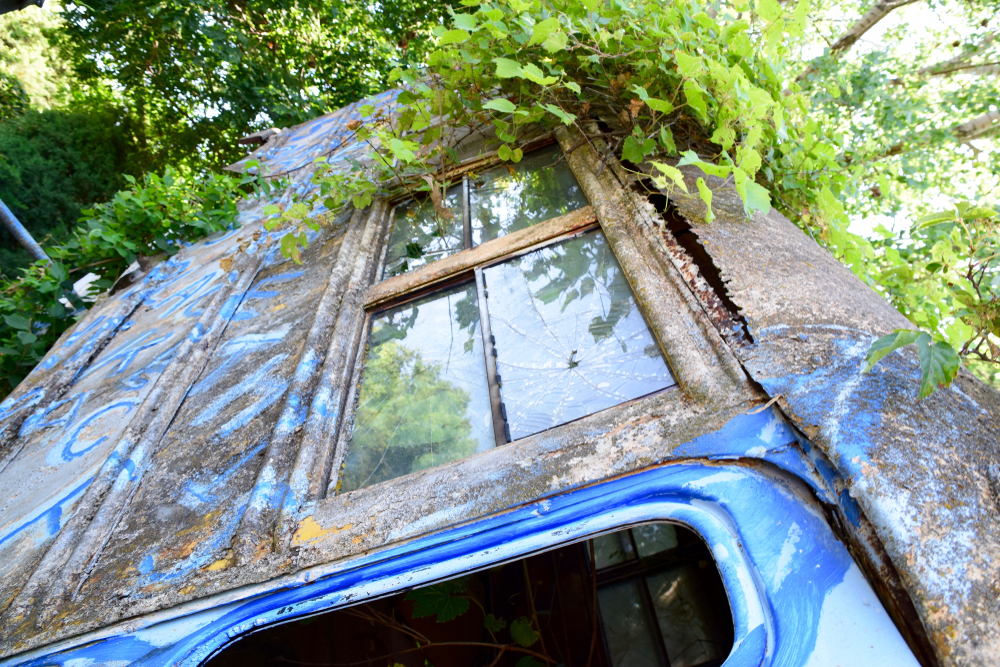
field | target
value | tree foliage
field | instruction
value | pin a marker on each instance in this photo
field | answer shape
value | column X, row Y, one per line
column 200, row 74
column 158, row 215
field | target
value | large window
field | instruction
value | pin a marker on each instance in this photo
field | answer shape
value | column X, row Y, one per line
column 654, row 599
column 525, row 342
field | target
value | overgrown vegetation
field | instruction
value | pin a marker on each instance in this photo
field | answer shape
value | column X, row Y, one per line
column 834, row 113
column 681, row 86
column 159, row 215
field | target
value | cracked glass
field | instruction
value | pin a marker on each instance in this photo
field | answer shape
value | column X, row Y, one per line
column 570, row 339
column 514, row 196
column 421, row 236
column 424, row 398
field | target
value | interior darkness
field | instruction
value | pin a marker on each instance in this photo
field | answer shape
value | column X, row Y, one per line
column 655, row 599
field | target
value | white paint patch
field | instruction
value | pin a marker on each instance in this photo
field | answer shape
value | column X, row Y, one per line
column 769, row 431
column 854, row 630
column 756, row 452
column 784, row 565
column 718, row 478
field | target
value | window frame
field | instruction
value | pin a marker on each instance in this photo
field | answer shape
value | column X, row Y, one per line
column 468, row 265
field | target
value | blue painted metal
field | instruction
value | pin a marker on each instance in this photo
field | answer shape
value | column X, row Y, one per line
column 796, row 595
column 22, row 235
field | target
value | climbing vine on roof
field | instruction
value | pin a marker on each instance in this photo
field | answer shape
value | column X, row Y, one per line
column 685, row 84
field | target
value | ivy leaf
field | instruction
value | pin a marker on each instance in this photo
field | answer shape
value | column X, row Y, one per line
column 757, row 198
column 522, row 632
column 494, row 624
column 440, row 600
column 535, row 75
column 500, row 104
column 695, row 96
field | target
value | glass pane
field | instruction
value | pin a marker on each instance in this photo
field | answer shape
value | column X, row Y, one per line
column 628, row 625
column 612, row 549
column 570, row 338
column 686, row 621
column 420, row 236
column 654, row 538
column 514, row 196
column 423, row 399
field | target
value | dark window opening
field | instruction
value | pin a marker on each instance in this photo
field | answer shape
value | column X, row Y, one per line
column 655, row 599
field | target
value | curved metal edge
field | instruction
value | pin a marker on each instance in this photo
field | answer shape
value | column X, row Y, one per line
column 794, row 589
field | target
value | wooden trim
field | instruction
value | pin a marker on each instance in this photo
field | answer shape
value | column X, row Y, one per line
column 466, row 260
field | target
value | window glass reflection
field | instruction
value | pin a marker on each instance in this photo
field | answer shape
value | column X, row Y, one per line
column 424, row 399
column 514, row 196
column 420, row 236
column 570, row 338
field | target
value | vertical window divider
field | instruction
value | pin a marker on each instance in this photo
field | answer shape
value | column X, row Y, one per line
column 466, row 214
column 500, row 429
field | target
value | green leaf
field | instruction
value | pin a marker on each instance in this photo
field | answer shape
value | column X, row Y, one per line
column 976, row 212
column 542, row 30
column 635, row 151
column 555, row 42
column 566, row 118
column 886, row 344
column 500, row 104
column 690, row 157
column 939, row 364
column 535, row 75
column 659, row 105
column 507, row 69
column 706, row 196
column 574, row 86
column 17, row 322
column 522, row 632
column 757, row 198
column 441, row 600
column 494, row 624
column 465, row 22
column 935, row 219
column 673, row 173
column 591, row 5
column 27, row 338
column 528, row 661
column 454, row 37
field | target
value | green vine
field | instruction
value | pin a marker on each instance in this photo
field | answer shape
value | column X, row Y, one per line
column 685, row 83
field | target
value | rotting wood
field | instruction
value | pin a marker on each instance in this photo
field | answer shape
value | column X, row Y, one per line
column 691, row 345
column 467, row 260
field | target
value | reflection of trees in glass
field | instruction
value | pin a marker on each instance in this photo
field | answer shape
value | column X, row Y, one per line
column 578, row 269
column 512, row 197
column 408, row 418
column 421, row 236
column 570, row 338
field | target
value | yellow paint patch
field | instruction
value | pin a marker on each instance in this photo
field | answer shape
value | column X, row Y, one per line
column 220, row 564
column 310, row 530
column 278, row 307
